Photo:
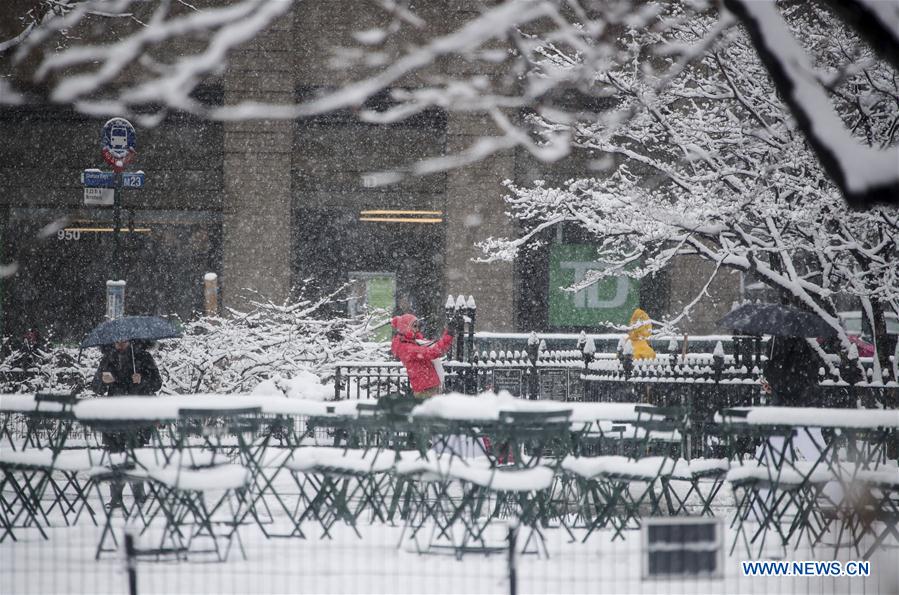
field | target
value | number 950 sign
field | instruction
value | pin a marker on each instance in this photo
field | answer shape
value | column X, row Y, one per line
column 68, row 234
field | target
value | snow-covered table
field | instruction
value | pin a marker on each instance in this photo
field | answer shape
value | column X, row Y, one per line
column 498, row 417
column 166, row 408
column 795, row 458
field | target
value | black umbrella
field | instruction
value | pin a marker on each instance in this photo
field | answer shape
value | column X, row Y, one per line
column 777, row 320
column 128, row 328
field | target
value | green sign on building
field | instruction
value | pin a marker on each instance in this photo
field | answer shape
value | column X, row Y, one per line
column 370, row 291
column 610, row 300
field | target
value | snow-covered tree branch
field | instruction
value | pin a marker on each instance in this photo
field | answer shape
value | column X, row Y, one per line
column 542, row 60
column 709, row 164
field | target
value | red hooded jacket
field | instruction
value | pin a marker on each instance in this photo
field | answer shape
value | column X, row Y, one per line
column 417, row 358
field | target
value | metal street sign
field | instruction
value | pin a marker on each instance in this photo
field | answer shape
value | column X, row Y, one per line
column 99, row 196
column 117, row 142
column 133, row 179
column 94, row 178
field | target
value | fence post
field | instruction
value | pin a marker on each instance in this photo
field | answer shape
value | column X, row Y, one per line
column 471, row 310
column 533, row 350
column 512, row 538
column 459, row 317
column 337, row 383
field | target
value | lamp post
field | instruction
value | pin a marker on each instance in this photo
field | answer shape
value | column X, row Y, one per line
column 448, row 308
column 471, row 310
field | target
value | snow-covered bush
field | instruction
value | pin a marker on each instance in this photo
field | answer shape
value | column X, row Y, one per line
column 268, row 341
column 283, row 344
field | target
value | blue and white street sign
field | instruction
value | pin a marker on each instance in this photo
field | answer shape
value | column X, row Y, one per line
column 133, row 179
column 118, row 137
column 94, row 178
column 117, row 142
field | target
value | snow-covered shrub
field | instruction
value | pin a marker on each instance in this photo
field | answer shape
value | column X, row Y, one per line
column 285, row 344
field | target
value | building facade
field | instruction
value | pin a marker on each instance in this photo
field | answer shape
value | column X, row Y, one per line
column 276, row 206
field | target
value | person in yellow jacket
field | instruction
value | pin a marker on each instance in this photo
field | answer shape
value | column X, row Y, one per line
column 641, row 329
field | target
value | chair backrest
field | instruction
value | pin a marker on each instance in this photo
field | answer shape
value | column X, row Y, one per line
column 226, row 413
column 673, row 412
column 61, row 398
column 535, row 421
column 739, row 413
column 240, row 420
column 366, row 409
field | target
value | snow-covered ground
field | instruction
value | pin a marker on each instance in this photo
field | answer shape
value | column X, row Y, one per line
column 374, row 564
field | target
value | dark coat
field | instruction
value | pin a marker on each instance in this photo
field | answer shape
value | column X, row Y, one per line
column 121, row 366
column 792, row 372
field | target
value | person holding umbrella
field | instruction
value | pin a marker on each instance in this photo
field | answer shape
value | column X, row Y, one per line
column 124, row 370
column 791, row 372
column 127, row 368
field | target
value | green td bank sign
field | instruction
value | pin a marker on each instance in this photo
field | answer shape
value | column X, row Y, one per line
column 609, row 300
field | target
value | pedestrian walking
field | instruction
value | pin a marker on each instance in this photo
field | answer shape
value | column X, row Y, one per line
column 126, row 369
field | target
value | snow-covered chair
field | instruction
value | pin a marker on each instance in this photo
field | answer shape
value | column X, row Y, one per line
column 706, row 478
column 29, row 474
column 779, row 497
column 331, row 478
column 39, row 464
column 487, row 494
column 875, row 509
column 612, row 489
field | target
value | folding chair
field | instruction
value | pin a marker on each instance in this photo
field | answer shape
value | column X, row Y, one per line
column 605, row 487
column 871, row 510
column 200, row 497
column 30, row 471
column 706, row 478
column 330, row 479
column 530, row 435
column 779, row 498
column 191, row 499
column 428, row 500
column 488, row 494
column 519, row 495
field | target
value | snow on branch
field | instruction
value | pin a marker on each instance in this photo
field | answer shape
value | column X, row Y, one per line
column 266, row 342
column 877, row 21
column 865, row 175
column 88, row 72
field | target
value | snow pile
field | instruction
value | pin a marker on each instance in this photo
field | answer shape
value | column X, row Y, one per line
column 303, row 385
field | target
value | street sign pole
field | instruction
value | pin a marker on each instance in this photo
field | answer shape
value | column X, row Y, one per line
column 117, row 142
column 116, row 225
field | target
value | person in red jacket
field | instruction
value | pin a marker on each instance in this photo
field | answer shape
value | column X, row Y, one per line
column 417, row 358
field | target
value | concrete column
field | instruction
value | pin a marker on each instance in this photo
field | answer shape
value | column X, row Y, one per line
column 688, row 276
column 474, row 211
column 257, row 203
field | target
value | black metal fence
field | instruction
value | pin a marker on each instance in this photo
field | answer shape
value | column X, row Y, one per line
column 578, row 374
